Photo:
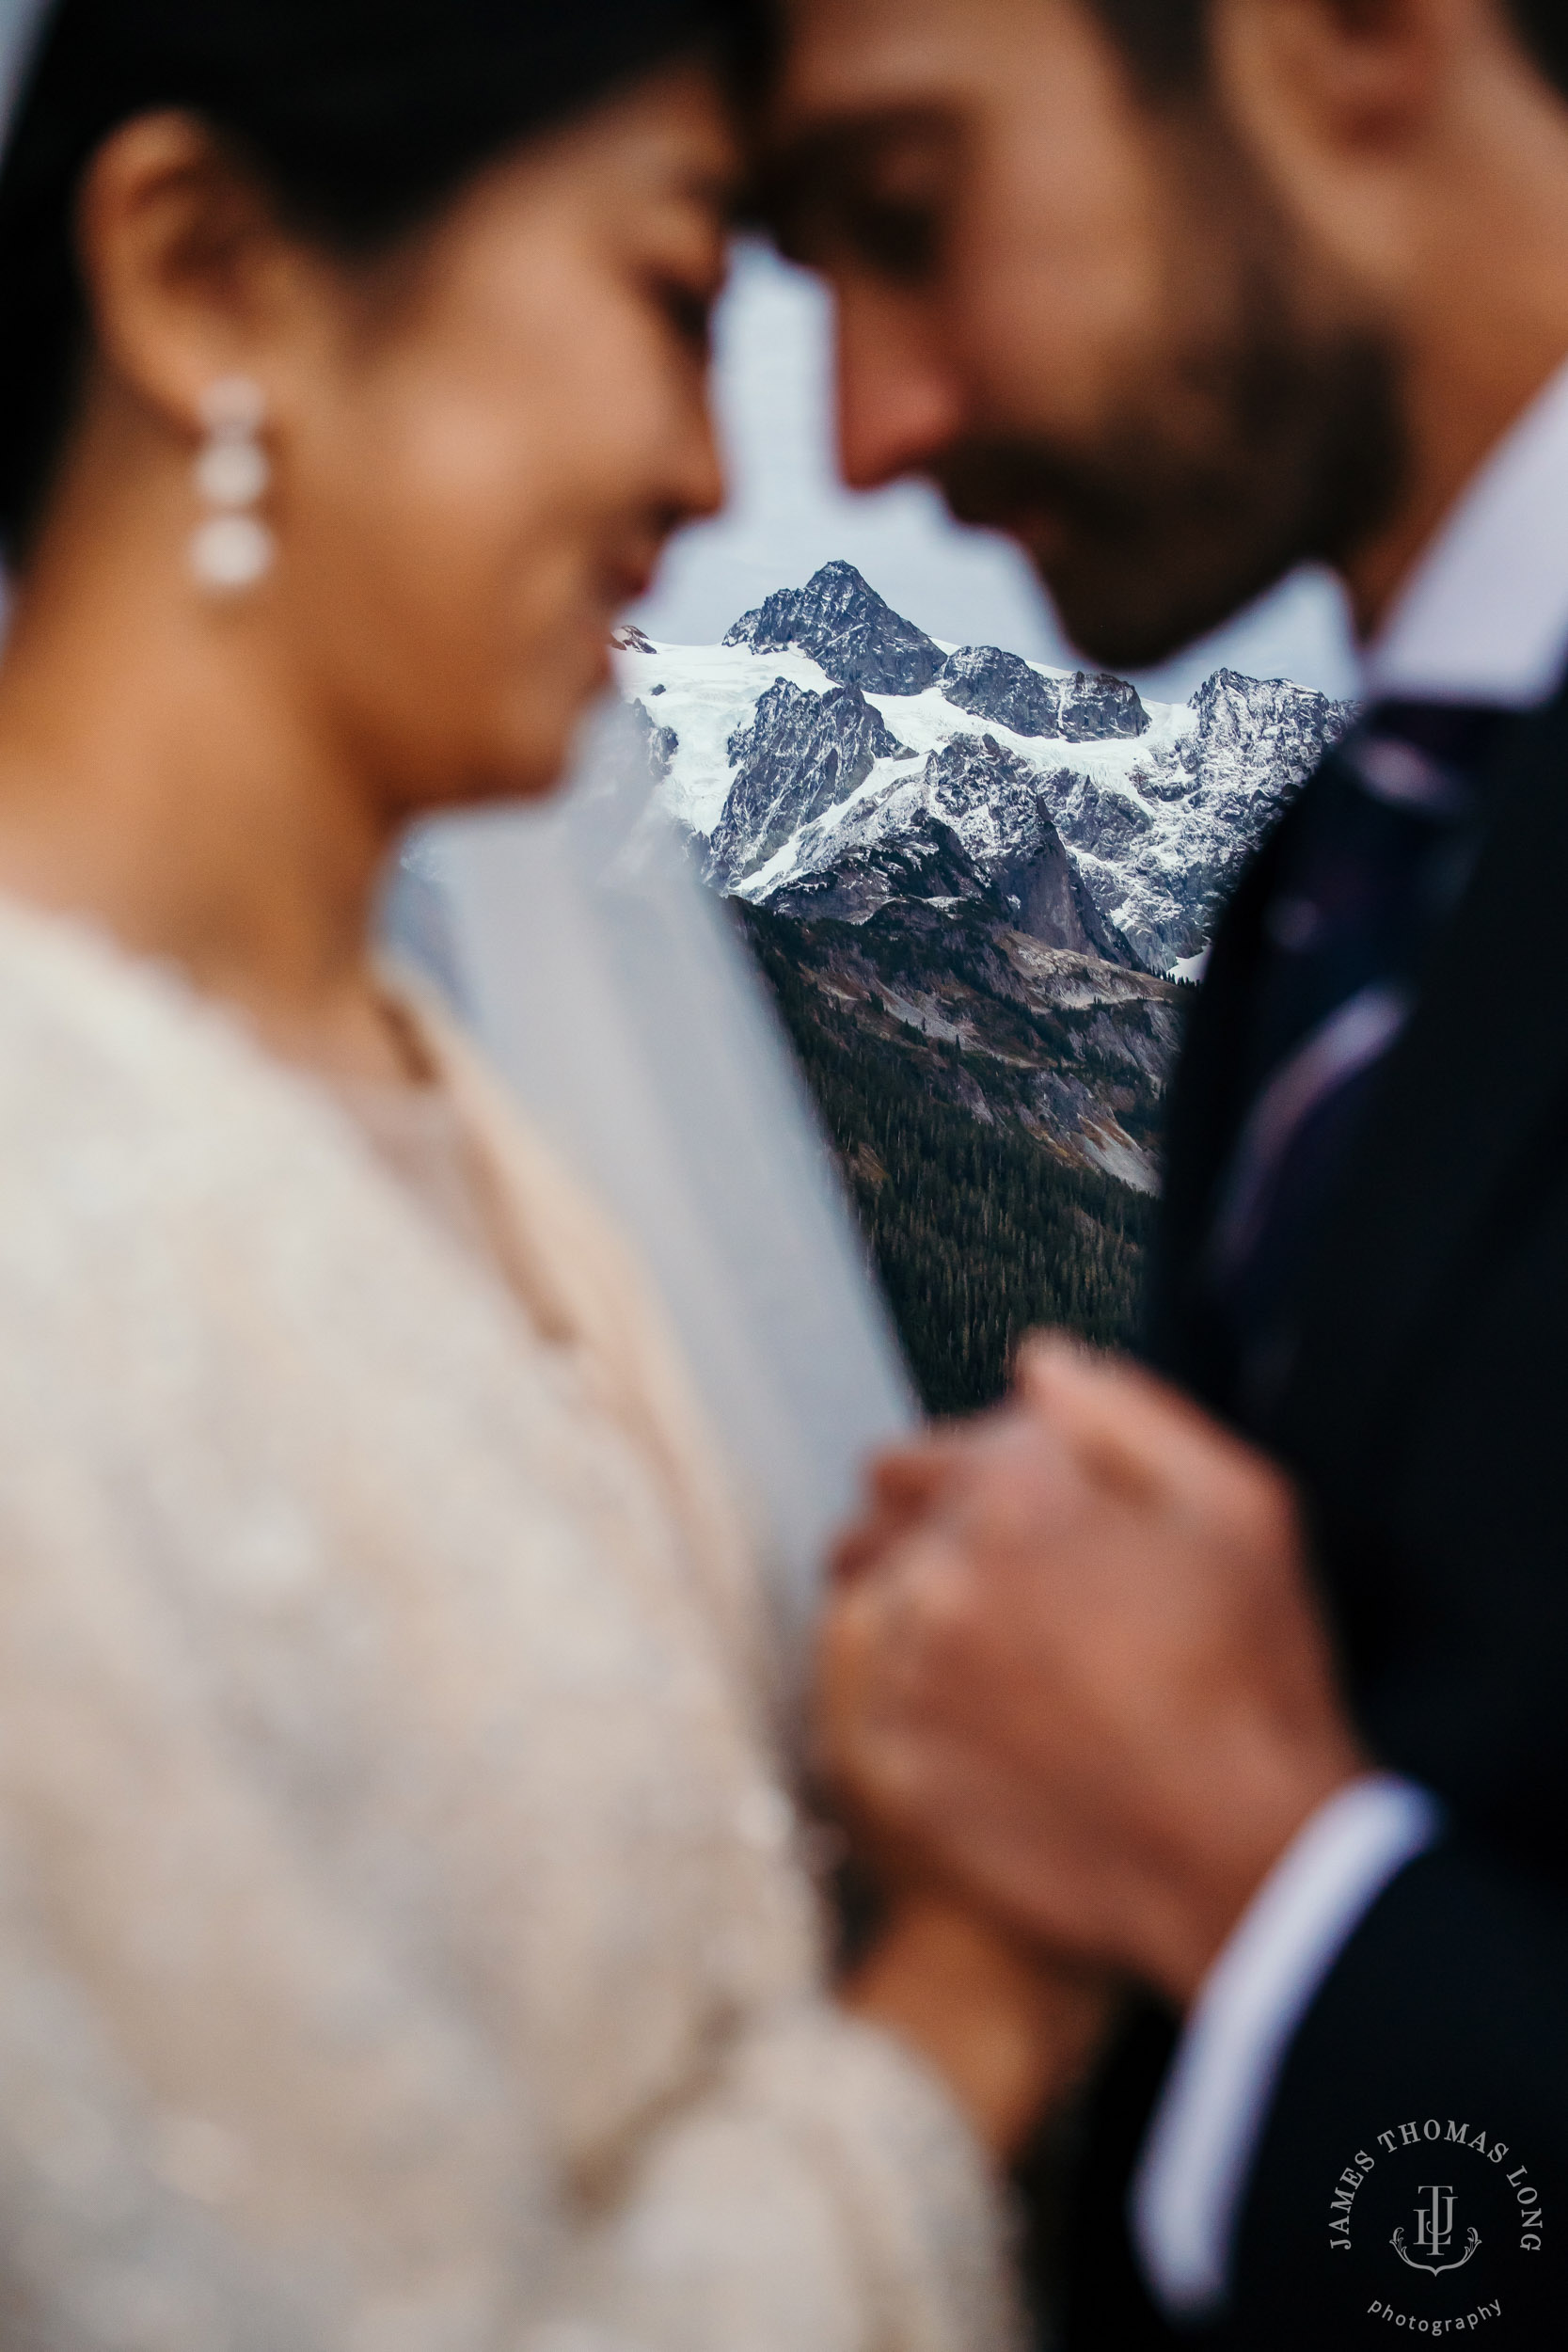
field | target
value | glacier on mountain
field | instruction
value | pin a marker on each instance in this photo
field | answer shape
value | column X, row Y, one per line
column 830, row 758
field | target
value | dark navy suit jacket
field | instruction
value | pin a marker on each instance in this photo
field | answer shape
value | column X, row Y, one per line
column 1426, row 1424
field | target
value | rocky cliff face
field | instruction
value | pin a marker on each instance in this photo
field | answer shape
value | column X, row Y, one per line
column 801, row 757
column 1001, row 687
column 1160, row 846
column 843, row 624
column 1010, row 691
column 1049, row 1043
column 1100, row 709
column 659, row 744
column 970, row 825
column 837, row 767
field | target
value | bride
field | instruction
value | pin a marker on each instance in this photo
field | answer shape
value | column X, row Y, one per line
column 404, row 1942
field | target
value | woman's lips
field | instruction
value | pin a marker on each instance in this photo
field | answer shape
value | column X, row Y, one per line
column 628, row 580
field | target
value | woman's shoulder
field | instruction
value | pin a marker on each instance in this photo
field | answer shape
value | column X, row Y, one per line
column 91, row 1033
column 147, row 1130
column 198, row 1238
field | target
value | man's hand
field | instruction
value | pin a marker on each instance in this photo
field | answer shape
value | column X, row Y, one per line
column 1074, row 1666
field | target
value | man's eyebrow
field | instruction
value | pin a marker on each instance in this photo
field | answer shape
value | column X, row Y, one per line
column 851, row 130
column 829, row 150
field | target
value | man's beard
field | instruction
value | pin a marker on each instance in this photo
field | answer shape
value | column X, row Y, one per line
column 1148, row 540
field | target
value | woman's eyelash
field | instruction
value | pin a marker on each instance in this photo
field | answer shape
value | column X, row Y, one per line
column 689, row 310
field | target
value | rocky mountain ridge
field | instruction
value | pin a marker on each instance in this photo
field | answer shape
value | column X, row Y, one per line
column 999, row 866
column 825, row 750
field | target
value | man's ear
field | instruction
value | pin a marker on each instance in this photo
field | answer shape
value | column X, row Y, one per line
column 1358, row 76
column 186, row 270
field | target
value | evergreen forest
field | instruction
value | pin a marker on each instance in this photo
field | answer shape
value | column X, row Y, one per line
column 980, row 1231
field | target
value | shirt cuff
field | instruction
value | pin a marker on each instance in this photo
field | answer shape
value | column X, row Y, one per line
column 1198, row 2152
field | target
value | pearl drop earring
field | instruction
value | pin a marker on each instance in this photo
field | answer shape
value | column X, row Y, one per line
column 234, row 549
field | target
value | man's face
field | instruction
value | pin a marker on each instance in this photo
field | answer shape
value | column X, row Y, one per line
column 1082, row 311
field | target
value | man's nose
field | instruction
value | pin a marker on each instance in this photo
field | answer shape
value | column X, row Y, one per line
column 900, row 404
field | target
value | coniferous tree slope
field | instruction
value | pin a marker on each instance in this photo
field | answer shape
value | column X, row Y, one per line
column 980, row 1230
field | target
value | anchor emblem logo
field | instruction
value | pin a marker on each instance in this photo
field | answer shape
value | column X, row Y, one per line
column 1435, row 2234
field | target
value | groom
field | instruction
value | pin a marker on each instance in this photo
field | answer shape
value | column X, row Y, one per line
column 1248, row 1683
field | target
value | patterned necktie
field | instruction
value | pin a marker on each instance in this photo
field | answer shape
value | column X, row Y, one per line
column 1381, row 850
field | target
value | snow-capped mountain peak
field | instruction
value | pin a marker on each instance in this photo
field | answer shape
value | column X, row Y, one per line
column 829, row 757
column 840, row 620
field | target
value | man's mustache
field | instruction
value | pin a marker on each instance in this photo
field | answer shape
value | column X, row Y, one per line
column 1002, row 483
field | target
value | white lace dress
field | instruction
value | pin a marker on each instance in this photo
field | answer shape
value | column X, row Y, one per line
column 402, row 1942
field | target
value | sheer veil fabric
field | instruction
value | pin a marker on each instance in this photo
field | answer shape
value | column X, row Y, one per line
column 579, row 942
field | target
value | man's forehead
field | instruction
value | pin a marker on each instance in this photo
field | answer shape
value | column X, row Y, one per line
column 850, row 57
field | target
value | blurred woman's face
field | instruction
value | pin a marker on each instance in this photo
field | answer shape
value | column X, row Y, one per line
column 482, row 444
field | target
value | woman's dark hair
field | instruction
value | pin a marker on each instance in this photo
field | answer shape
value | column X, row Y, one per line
column 361, row 118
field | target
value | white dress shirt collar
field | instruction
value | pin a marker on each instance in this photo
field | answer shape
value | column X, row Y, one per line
column 1485, row 617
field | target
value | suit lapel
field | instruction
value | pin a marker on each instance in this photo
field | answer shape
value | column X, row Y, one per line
column 1481, row 1065
column 1205, row 1108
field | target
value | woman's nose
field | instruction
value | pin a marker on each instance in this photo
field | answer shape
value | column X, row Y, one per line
column 698, row 483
